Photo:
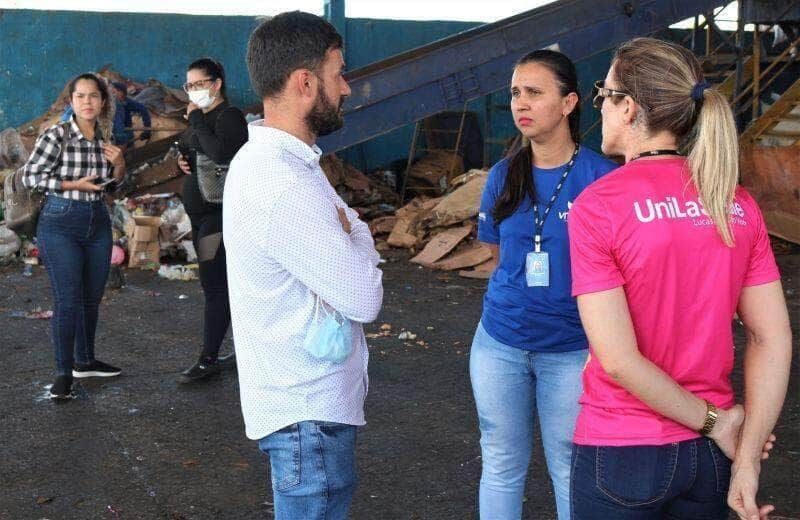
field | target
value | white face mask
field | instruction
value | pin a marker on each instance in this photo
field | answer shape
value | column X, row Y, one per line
column 201, row 98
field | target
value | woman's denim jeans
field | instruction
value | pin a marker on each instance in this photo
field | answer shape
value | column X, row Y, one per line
column 511, row 387
column 75, row 244
column 683, row 480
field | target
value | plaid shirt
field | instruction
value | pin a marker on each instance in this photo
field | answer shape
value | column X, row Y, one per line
column 63, row 153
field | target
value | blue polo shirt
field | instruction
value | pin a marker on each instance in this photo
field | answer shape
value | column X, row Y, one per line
column 542, row 319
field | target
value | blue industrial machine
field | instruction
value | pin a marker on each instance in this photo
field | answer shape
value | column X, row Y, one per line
column 444, row 75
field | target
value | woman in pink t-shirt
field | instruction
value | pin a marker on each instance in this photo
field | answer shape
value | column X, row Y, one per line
column 665, row 250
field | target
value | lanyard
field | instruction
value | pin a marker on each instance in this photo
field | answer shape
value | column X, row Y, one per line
column 653, row 153
column 538, row 223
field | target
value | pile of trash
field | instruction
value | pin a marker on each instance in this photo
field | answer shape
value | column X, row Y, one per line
column 440, row 232
column 150, row 223
column 165, row 104
column 371, row 195
column 432, row 171
column 152, row 227
column 152, row 164
column 15, row 248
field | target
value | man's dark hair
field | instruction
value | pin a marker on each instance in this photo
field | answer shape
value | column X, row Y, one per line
column 285, row 43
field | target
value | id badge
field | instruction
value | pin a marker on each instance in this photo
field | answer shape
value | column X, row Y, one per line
column 537, row 269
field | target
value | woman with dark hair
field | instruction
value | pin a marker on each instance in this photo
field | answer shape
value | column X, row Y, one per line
column 216, row 131
column 665, row 251
column 72, row 162
column 529, row 349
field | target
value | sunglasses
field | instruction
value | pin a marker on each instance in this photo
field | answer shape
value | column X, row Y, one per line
column 599, row 93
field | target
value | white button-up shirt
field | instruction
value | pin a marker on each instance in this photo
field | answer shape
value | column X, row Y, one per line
column 285, row 245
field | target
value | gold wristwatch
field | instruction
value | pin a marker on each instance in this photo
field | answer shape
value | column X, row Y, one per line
column 711, row 419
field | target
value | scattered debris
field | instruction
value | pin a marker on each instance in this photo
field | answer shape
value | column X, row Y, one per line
column 481, row 272
column 114, row 511
column 432, row 169
column 185, row 273
column 407, row 336
column 460, row 204
column 189, row 463
column 408, row 231
column 439, row 231
column 474, row 254
column 117, row 255
column 383, row 224
column 175, row 225
column 10, row 243
column 371, row 195
column 441, row 244
column 36, row 314
column 143, row 244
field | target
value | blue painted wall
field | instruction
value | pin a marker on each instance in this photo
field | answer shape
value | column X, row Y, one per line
column 41, row 50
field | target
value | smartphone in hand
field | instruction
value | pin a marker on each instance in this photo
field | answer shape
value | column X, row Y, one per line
column 104, row 183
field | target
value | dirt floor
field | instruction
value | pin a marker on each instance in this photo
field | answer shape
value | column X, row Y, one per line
column 141, row 446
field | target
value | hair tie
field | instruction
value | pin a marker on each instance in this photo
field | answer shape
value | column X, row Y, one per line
column 699, row 88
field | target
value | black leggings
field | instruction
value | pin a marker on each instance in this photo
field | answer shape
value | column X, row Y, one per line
column 207, row 238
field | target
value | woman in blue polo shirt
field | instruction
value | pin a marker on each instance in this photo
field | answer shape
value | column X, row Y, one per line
column 529, row 350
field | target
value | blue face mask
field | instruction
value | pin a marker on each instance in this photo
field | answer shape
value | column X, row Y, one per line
column 329, row 339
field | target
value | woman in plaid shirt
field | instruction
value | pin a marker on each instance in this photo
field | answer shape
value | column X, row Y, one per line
column 71, row 163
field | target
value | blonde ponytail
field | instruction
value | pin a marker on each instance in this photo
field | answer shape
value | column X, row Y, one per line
column 667, row 80
column 714, row 160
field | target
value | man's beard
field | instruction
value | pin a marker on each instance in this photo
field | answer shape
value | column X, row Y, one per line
column 325, row 118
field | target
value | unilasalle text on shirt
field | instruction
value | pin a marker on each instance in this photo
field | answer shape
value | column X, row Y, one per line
column 670, row 208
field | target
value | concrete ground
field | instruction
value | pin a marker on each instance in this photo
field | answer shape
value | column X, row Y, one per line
column 141, row 446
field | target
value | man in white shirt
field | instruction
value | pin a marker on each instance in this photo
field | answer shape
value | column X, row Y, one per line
column 296, row 253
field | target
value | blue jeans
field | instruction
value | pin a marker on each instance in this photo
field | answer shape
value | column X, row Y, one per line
column 511, row 385
column 313, row 470
column 683, row 480
column 75, row 244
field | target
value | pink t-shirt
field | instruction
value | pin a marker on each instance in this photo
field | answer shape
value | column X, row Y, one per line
column 642, row 227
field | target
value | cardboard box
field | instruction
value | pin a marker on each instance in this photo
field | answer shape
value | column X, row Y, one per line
column 143, row 246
